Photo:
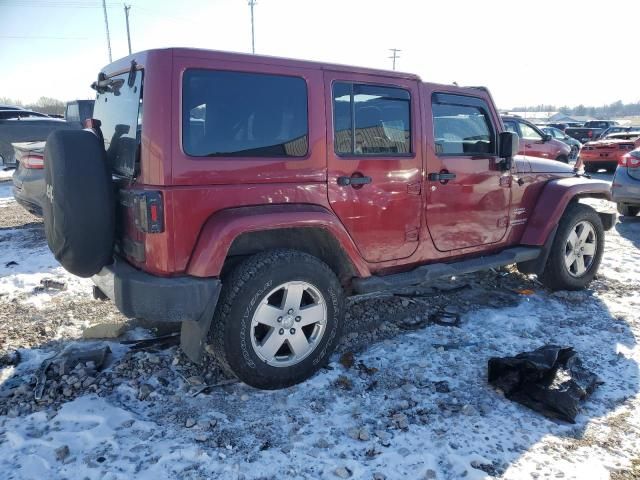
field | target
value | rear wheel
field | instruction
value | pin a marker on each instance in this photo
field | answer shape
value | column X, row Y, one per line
column 576, row 251
column 628, row 210
column 278, row 320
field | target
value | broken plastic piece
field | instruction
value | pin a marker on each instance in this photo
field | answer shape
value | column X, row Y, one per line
column 550, row 380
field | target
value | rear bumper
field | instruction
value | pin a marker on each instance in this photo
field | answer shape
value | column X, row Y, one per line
column 140, row 295
column 624, row 188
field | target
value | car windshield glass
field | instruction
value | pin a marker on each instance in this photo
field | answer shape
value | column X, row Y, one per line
column 120, row 113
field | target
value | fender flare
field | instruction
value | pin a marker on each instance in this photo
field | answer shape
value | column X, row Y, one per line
column 222, row 228
column 553, row 201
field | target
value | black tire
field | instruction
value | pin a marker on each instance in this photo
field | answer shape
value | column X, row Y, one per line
column 590, row 167
column 628, row 210
column 563, row 159
column 79, row 210
column 556, row 276
column 244, row 288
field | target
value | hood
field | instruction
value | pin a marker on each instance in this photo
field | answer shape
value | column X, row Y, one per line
column 542, row 165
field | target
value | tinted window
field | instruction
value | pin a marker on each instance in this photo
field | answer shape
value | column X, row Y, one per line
column 371, row 120
column 243, row 114
column 461, row 129
column 529, row 132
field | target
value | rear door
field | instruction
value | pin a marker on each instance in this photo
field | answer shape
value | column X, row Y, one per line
column 468, row 195
column 374, row 162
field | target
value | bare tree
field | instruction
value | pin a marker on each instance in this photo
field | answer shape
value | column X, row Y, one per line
column 48, row 105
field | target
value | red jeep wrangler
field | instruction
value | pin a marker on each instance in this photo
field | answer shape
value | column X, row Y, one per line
column 246, row 196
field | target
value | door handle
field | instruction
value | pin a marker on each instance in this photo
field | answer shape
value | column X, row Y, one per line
column 443, row 176
column 353, row 180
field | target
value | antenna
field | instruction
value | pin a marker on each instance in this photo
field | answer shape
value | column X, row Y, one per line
column 394, row 56
column 106, row 24
column 252, row 4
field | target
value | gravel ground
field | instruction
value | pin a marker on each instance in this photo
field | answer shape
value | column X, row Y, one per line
column 402, row 398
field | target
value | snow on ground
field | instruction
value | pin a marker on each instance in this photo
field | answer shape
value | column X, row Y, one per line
column 6, row 174
column 6, row 196
column 415, row 404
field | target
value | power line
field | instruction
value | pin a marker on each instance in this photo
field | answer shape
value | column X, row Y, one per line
column 42, row 37
column 394, row 56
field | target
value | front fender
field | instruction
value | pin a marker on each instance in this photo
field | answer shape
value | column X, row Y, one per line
column 222, row 228
column 553, row 201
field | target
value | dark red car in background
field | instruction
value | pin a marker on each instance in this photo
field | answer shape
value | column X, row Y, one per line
column 534, row 142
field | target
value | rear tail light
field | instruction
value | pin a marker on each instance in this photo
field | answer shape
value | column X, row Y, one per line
column 590, row 133
column 629, row 160
column 32, row 161
column 148, row 211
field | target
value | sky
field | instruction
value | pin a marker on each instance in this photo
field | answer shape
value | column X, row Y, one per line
column 565, row 52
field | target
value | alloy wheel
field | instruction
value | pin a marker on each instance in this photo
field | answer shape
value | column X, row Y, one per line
column 580, row 248
column 288, row 324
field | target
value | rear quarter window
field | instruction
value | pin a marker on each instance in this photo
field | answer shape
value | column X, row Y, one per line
column 243, row 114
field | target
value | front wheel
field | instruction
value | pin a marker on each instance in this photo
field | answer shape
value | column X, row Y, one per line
column 278, row 320
column 562, row 158
column 576, row 251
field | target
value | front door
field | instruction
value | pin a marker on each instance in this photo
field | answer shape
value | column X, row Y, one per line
column 534, row 144
column 374, row 162
column 468, row 195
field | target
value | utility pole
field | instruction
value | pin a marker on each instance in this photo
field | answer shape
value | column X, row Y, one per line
column 106, row 24
column 126, row 16
column 252, row 3
column 394, row 56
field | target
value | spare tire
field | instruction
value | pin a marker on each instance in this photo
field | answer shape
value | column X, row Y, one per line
column 79, row 211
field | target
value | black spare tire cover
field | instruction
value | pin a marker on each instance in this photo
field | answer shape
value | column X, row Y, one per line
column 79, row 211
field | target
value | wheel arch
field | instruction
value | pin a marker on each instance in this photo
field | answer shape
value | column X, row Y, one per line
column 233, row 234
column 553, row 201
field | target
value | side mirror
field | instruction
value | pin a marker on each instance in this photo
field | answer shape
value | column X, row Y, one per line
column 508, row 146
column 546, row 138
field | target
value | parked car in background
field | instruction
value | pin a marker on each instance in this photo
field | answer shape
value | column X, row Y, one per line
column 563, row 137
column 625, row 187
column 18, row 125
column 534, row 142
column 590, row 130
column 619, row 129
column 77, row 111
column 607, row 152
column 10, row 107
column 28, row 178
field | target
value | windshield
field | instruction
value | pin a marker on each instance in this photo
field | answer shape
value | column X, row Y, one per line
column 119, row 112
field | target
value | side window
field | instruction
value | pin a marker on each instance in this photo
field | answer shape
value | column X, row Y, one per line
column 243, row 114
column 529, row 132
column 371, row 120
column 462, row 126
column 511, row 126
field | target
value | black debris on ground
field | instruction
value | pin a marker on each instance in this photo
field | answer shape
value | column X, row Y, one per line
column 550, row 380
